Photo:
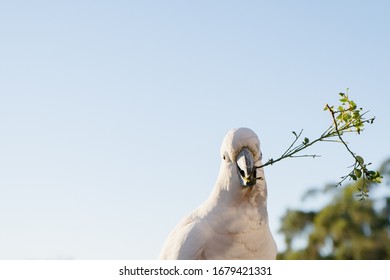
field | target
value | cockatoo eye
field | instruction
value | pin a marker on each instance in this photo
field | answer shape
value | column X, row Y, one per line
column 226, row 157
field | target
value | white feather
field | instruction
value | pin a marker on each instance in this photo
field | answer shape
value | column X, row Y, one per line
column 233, row 222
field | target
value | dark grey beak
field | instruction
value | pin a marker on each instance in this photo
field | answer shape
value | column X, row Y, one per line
column 246, row 168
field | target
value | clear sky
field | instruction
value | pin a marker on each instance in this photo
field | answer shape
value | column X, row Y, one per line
column 112, row 112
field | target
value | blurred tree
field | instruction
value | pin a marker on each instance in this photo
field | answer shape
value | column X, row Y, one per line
column 345, row 228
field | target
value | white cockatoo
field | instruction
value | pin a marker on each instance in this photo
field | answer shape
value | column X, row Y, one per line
column 233, row 222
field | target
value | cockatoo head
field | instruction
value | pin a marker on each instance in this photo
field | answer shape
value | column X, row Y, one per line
column 241, row 150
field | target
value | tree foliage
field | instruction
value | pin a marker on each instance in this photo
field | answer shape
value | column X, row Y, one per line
column 345, row 228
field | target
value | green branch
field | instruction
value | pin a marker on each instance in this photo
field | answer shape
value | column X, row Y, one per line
column 346, row 119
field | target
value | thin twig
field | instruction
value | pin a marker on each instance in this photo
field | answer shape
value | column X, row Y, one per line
column 338, row 132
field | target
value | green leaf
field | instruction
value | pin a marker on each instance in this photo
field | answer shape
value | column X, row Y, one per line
column 352, row 105
column 372, row 173
column 344, row 99
column 359, row 159
column 346, row 117
column 358, row 173
column 378, row 179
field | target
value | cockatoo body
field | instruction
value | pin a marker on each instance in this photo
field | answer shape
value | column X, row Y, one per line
column 233, row 222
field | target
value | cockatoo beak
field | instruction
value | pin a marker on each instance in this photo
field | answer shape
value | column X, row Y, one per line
column 246, row 168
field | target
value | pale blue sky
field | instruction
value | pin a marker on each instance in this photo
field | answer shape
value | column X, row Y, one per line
column 112, row 112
